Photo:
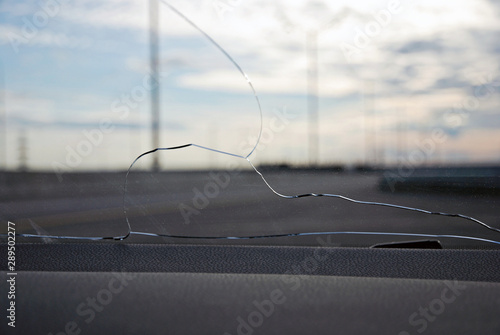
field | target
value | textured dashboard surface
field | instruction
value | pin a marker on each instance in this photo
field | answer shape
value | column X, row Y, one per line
column 202, row 303
column 184, row 289
column 474, row 265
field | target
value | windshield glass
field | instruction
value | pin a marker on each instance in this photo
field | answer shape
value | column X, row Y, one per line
column 251, row 121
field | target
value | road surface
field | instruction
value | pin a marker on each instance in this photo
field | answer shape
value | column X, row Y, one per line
column 222, row 203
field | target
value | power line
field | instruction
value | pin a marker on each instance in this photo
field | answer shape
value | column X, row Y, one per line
column 22, row 150
column 312, row 95
column 155, row 92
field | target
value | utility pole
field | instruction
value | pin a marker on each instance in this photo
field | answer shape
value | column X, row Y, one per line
column 370, row 124
column 399, row 135
column 3, row 130
column 22, row 151
column 3, row 123
column 155, row 92
column 312, row 95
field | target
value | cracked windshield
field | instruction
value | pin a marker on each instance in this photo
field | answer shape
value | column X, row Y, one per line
column 255, row 122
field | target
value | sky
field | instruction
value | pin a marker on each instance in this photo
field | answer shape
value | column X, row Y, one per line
column 397, row 82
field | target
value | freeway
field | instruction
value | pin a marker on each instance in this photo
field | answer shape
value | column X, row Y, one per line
column 221, row 203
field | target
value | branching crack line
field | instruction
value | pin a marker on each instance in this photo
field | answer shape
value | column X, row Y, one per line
column 297, row 196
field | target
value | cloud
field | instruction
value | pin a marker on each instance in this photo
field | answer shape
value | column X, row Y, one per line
column 14, row 37
column 434, row 46
column 430, row 57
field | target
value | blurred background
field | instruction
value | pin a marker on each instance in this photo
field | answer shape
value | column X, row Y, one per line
column 378, row 100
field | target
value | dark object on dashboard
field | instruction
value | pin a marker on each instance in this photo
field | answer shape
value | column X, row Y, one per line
column 421, row 244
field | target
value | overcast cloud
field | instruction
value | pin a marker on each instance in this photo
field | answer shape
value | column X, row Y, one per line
column 384, row 67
